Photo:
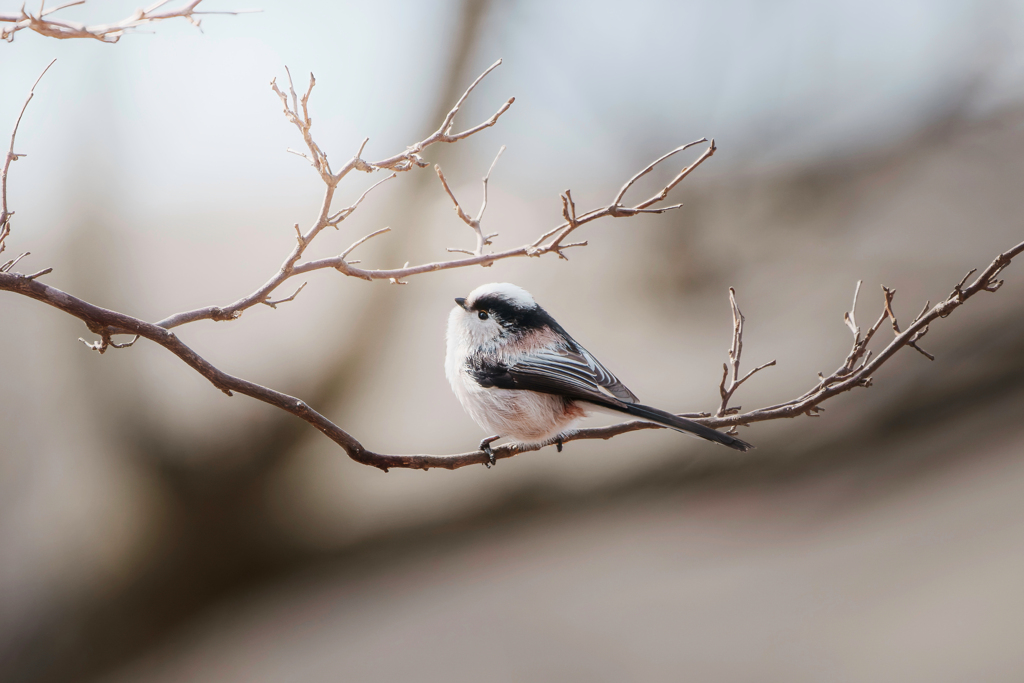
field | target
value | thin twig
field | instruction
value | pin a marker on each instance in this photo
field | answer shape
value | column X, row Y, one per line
column 361, row 240
column 651, row 166
column 482, row 240
column 735, row 351
column 553, row 241
column 348, row 210
column 105, row 33
column 5, row 215
column 274, row 304
column 296, row 111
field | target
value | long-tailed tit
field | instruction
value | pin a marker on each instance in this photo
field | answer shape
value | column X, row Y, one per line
column 520, row 375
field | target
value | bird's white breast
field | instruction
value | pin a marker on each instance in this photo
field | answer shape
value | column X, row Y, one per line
column 525, row 416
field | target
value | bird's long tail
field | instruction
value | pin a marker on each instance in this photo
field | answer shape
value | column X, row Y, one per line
column 681, row 424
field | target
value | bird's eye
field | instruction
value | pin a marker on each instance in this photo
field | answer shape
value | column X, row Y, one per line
column 483, row 315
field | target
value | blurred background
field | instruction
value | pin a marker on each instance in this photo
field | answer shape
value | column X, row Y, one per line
column 152, row 529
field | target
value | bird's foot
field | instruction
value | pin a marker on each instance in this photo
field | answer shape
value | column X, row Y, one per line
column 485, row 446
column 558, row 444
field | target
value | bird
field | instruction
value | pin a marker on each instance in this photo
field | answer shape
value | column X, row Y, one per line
column 520, row 375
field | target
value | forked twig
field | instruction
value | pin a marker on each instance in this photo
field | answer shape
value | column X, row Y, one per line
column 473, row 222
column 735, row 351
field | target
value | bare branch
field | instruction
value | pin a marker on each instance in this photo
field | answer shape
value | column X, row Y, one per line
column 487, row 177
column 274, row 304
column 850, row 317
column 650, row 167
column 106, row 323
column 296, row 111
column 347, row 211
column 13, row 262
column 482, row 240
column 458, row 208
column 889, row 294
column 846, row 378
column 105, row 33
column 735, row 351
column 361, row 240
column 856, row 370
column 410, row 157
column 551, row 242
column 5, row 214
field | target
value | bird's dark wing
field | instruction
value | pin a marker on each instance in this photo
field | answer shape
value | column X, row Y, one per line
column 565, row 369
column 572, row 372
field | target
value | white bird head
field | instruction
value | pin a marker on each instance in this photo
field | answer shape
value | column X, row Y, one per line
column 491, row 312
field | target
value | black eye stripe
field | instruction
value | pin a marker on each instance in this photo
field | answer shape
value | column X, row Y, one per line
column 499, row 309
column 511, row 317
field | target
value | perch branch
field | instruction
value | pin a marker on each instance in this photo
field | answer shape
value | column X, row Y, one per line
column 101, row 321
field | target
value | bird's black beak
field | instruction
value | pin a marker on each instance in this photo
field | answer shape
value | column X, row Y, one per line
column 461, row 302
